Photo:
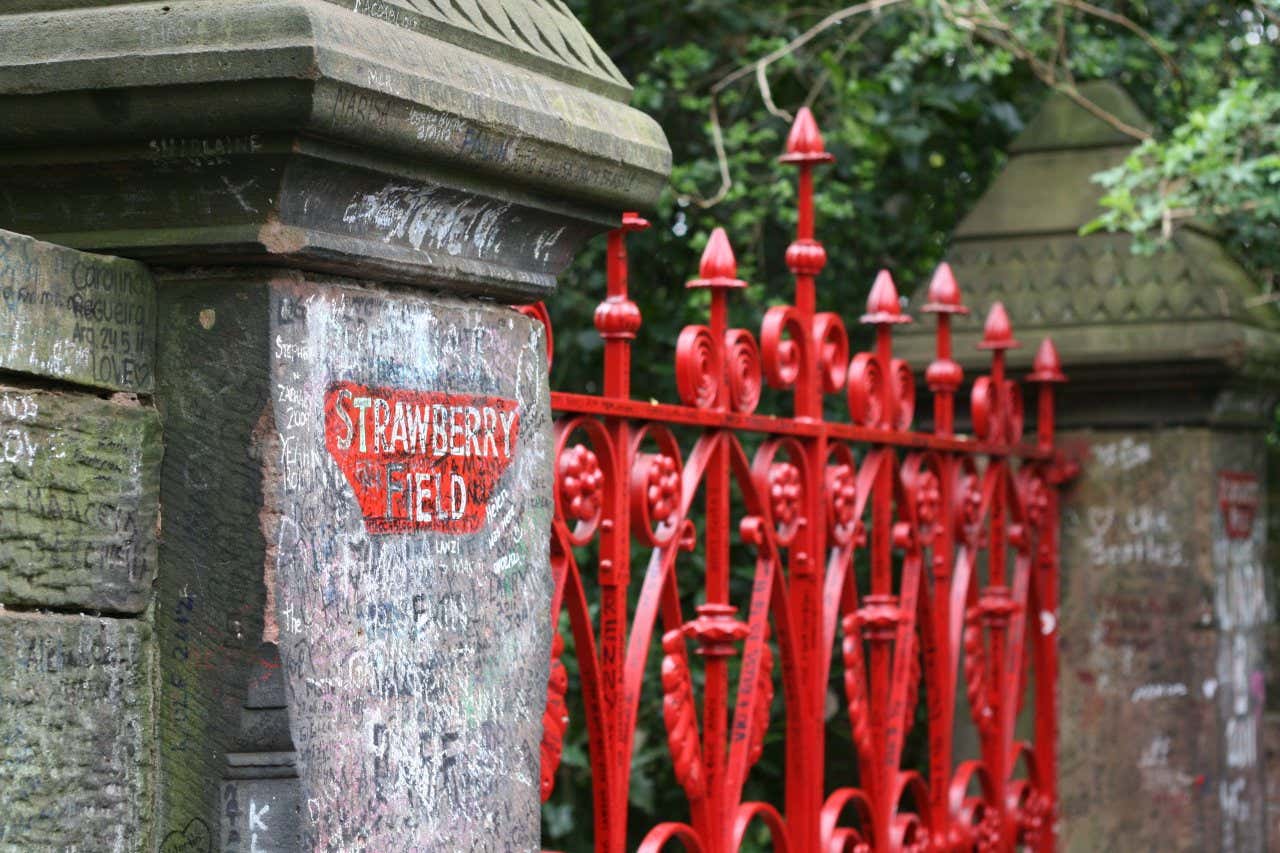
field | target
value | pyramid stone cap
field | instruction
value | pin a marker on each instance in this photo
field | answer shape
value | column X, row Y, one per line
column 1047, row 185
column 1064, row 123
column 1190, row 303
column 470, row 145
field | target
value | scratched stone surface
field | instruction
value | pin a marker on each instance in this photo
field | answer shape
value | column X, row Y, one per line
column 1270, row 752
column 79, row 500
column 1160, row 712
column 388, row 454
column 68, row 315
column 75, row 734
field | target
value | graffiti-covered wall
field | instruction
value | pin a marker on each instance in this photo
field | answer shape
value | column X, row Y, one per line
column 1163, row 675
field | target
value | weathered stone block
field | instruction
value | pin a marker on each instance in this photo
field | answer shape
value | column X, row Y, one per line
column 73, row 316
column 79, row 500
column 364, row 484
column 261, row 814
column 75, row 734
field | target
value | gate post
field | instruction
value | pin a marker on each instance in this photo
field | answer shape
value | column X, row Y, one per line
column 1164, row 592
column 339, row 198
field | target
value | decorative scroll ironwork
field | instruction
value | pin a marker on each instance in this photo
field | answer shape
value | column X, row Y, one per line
column 959, row 604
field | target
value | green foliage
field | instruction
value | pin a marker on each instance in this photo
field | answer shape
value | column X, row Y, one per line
column 917, row 99
column 1221, row 164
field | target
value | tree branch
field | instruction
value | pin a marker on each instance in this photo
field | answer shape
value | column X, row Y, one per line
column 762, row 82
column 758, row 67
column 848, row 43
column 986, row 25
column 832, row 20
column 1046, row 74
column 1130, row 25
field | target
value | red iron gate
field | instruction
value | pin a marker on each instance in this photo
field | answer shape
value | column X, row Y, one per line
column 960, row 534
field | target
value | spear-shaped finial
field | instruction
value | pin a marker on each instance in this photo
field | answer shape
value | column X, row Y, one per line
column 883, row 304
column 944, row 293
column 1046, row 371
column 997, row 334
column 944, row 375
column 1047, row 366
column 719, row 268
column 804, row 142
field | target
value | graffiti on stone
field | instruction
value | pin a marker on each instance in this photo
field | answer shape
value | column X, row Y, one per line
column 420, row 460
column 75, row 751
column 406, row 575
column 1132, row 702
column 70, row 315
column 1241, row 611
column 79, row 480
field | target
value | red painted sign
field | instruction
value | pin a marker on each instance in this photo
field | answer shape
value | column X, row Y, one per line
column 420, row 460
column 1238, row 495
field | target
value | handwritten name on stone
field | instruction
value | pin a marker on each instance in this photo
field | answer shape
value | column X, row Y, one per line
column 69, row 315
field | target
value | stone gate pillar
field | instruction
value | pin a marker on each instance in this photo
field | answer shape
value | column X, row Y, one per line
column 339, row 198
column 1165, row 596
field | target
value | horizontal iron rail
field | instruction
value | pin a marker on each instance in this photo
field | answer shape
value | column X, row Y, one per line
column 669, row 413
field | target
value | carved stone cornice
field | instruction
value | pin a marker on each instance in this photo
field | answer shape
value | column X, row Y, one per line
column 395, row 142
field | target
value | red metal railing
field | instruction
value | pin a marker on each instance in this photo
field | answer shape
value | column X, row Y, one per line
column 960, row 534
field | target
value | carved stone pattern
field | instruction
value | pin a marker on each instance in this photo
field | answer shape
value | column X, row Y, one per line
column 542, row 28
column 1067, row 280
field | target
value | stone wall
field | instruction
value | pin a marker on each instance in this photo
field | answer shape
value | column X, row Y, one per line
column 80, row 453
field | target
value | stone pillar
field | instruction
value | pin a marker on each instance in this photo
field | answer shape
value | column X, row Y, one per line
column 1164, row 591
column 340, row 198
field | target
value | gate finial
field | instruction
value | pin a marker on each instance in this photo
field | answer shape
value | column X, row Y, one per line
column 804, row 143
column 944, row 374
column 719, row 268
column 883, row 303
column 997, row 334
column 944, row 293
column 1047, row 366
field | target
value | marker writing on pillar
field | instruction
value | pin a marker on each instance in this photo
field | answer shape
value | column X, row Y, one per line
column 420, row 460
